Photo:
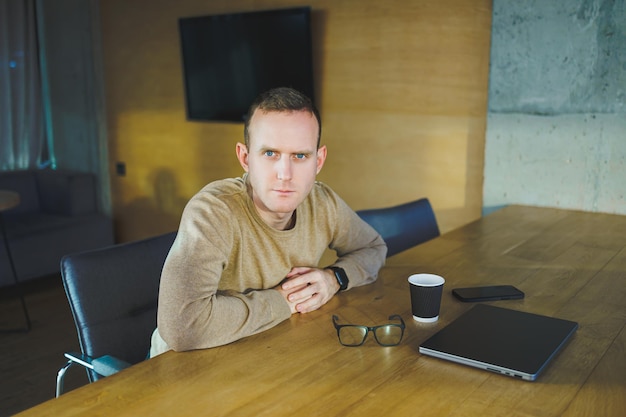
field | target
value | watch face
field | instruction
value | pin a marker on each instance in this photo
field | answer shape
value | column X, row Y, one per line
column 342, row 278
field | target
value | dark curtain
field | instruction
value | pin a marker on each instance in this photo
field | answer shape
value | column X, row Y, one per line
column 22, row 133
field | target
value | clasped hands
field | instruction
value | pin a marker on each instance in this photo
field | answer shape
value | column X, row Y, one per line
column 307, row 289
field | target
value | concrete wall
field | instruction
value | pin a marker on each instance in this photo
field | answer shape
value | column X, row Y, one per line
column 556, row 127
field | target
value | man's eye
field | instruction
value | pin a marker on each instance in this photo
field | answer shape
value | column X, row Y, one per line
column 300, row 156
column 269, row 153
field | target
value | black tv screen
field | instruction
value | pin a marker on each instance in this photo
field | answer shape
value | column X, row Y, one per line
column 229, row 59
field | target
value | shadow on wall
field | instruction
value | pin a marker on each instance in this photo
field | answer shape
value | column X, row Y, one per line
column 156, row 214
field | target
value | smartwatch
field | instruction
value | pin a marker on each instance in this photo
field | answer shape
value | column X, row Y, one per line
column 340, row 275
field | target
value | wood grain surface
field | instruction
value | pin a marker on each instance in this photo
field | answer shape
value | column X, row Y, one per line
column 571, row 265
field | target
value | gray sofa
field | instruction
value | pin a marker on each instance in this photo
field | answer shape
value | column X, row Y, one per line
column 57, row 215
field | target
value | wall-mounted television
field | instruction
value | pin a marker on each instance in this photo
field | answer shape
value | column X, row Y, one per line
column 228, row 59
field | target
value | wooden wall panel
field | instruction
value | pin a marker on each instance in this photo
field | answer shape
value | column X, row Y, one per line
column 401, row 85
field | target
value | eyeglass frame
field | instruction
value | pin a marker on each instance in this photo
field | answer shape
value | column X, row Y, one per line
column 372, row 329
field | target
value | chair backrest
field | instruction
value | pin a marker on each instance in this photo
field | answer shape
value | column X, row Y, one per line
column 403, row 226
column 113, row 294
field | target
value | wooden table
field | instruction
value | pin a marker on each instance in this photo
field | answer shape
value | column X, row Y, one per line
column 570, row 265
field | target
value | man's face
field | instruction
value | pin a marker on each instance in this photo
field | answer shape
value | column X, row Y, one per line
column 282, row 161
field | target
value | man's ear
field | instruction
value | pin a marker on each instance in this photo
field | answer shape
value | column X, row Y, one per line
column 321, row 157
column 242, row 155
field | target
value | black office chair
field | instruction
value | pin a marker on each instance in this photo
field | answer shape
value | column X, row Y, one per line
column 113, row 295
column 403, row 226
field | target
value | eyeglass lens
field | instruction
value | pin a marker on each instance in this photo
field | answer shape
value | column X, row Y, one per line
column 386, row 335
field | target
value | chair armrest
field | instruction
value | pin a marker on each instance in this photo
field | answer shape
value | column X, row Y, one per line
column 83, row 360
column 104, row 365
column 108, row 365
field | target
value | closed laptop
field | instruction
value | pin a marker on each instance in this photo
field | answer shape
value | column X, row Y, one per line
column 509, row 342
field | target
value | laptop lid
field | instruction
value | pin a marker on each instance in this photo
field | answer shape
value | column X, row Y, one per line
column 509, row 342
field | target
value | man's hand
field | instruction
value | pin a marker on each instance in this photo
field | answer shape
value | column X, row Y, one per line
column 307, row 289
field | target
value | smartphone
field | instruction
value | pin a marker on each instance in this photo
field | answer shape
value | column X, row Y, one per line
column 488, row 293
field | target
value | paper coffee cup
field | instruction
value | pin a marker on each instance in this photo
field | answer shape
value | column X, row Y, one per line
column 426, row 291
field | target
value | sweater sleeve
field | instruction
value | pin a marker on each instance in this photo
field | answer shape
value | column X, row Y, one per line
column 361, row 251
column 193, row 312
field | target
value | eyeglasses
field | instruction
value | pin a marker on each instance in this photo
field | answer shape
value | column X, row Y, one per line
column 389, row 334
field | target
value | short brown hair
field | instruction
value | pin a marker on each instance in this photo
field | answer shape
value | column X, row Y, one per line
column 282, row 99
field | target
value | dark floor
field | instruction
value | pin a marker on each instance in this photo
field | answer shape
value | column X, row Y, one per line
column 30, row 361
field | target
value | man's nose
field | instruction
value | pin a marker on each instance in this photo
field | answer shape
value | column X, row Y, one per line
column 283, row 169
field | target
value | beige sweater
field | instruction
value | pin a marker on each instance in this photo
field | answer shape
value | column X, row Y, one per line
column 216, row 285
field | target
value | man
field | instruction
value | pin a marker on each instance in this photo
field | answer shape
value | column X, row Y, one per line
column 246, row 254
